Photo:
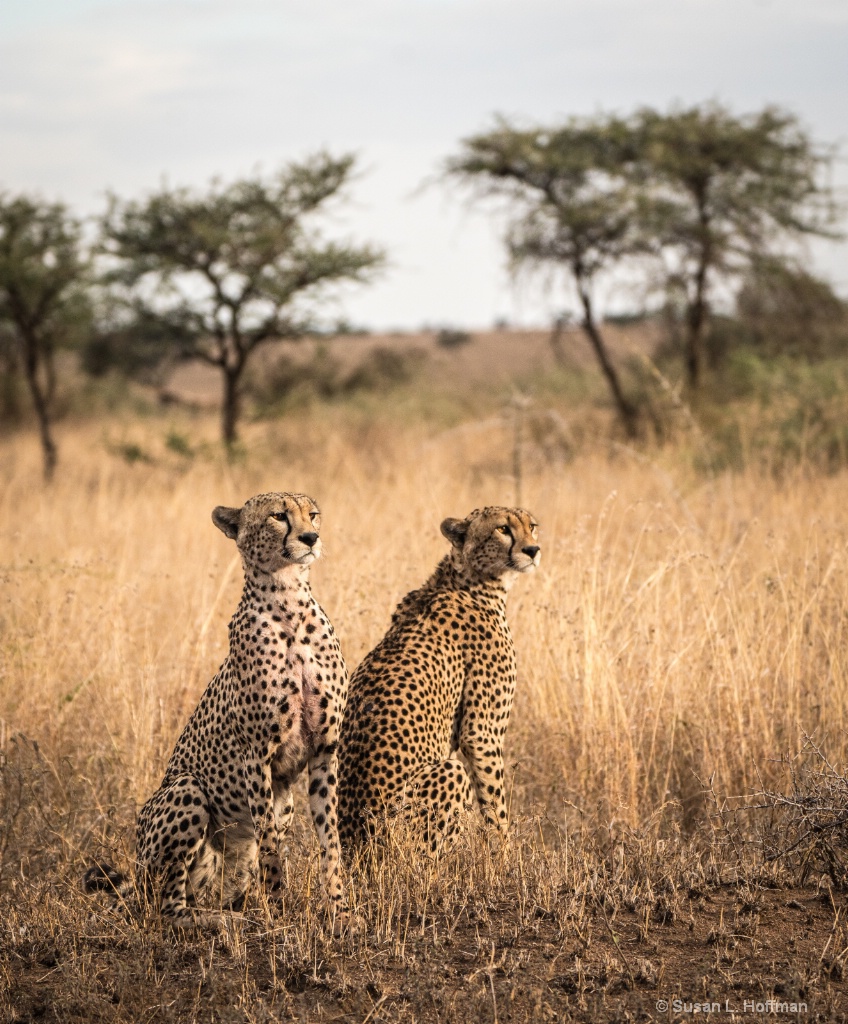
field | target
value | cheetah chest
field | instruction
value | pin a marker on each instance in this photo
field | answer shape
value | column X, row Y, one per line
column 304, row 711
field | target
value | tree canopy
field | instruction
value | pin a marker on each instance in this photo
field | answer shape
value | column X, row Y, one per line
column 702, row 191
column 226, row 271
column 43, row 304
column 571, row 204
column 720, row 191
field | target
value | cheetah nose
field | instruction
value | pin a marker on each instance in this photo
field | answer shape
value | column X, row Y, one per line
column 531, row 550
column 308, row 539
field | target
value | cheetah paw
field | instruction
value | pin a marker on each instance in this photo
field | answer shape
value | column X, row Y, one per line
column 345, row 924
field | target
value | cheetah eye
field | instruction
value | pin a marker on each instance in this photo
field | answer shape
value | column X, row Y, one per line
column 314, row 515
column 281, row 517
column 505, row 530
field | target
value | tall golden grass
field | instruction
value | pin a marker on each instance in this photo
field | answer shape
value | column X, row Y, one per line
column 683, row 631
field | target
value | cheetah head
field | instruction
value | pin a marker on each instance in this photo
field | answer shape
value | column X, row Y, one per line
column 273, row 530
column 494, row 542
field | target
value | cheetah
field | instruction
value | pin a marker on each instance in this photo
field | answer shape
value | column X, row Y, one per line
column 274, row 707
column 440, row 683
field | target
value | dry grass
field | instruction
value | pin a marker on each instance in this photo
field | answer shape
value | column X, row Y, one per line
column 682, row 633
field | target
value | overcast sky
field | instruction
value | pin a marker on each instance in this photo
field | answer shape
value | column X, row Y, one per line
column 123, row 94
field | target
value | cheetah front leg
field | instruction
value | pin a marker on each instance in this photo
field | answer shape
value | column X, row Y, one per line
column 260, row 800
column 271, row 848
column 324, row 809
column 484, row 753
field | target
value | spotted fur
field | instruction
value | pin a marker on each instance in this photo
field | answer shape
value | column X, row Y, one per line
column 274, row 707
column 438, row 688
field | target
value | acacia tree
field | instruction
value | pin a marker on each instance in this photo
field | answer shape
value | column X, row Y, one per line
column 719, row 192
column 225, row 272
column 42, row 302
column 571, row 206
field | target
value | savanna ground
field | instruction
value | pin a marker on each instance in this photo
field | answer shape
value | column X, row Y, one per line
column 675, row 756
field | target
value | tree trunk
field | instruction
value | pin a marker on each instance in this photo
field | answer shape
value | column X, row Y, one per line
column 39, row 400
column 696, row 317
column 10, row 404
column 627, row 411
column 556, row 340
column 230, row 409
column 696, row 312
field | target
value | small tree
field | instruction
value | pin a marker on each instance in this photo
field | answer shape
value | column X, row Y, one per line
column 783, row 308
column 42, row 302
column 719, row 191
column 225, row 272
column 570, row 206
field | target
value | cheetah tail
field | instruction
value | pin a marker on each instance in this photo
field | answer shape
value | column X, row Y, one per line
column 105, row 878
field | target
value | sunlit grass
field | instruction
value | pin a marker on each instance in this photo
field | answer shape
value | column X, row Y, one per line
column 680, row 628
column 683, row 632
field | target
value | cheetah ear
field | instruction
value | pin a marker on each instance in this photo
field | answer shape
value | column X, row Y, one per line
column 455, row 531
column 227, row 520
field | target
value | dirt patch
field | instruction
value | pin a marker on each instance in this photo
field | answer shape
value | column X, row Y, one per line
column 735, row 952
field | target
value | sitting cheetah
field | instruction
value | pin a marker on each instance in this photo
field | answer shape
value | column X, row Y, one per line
column 441, row 681
column 274, row 707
